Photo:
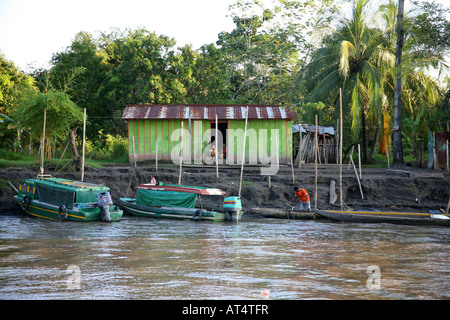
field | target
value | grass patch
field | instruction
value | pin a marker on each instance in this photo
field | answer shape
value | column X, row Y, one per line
column 10, row 159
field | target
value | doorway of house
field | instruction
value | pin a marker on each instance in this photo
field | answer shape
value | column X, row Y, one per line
column 222, row 126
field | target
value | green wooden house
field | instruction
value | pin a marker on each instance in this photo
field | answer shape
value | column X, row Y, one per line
column 154, row 132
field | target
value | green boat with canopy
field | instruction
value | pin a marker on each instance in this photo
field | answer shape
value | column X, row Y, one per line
column 179, row 202
column 64, row 199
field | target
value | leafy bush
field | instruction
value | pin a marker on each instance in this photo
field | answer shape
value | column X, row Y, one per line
column 108, row 148
column 117, row 146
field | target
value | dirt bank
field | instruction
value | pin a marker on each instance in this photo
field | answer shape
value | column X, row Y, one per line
column 408, row 188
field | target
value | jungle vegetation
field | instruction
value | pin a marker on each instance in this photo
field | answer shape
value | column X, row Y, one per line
column 298, row 54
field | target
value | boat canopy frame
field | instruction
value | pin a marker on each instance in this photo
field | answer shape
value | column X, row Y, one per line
column 58, row 191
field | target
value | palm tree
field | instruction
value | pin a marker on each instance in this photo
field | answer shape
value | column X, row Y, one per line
column 420, row 94
column 350, row 60
column 360, row 59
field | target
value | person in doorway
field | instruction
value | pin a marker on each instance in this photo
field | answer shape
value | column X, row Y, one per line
column 304, row 200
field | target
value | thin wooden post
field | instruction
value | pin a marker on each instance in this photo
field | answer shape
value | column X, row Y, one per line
column 276, row 153
column 359, row 161
column 337, row 142
column 436, row 160
column 357, row 177
column 292, row 161
column 84, row 145
column 43, row 142
column 156, row 160
column 134, row 152
column 349, row 161
column 243, row 152
column 300, row 145
column 340, row 148
column 315, row 164
column 181, row 154
column 323, row 147
column 277, row 150
column 190, row 138
column 217, row 150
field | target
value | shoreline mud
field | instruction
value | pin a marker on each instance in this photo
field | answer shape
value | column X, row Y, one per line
column 406, row 189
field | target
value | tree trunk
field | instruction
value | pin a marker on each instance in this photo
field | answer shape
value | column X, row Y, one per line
column 365, row 151
column 76, row 160
column 398, row 147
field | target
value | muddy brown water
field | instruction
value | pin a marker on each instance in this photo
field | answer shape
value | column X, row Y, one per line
column 257, row 258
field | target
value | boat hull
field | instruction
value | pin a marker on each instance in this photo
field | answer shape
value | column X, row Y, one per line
column 52, row 212
column 130, row 206
column 385, row 217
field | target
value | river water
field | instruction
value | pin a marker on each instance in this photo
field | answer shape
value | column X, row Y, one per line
column 144, row 258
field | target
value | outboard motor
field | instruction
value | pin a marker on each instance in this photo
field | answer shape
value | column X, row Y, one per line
column 232, row 207
column 104, row 201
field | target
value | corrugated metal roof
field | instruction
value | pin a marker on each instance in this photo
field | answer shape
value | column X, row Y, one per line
column 207, row 112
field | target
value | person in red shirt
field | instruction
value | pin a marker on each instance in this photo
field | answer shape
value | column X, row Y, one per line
column 303, row 196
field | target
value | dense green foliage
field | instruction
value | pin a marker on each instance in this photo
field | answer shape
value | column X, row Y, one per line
column 295, row 53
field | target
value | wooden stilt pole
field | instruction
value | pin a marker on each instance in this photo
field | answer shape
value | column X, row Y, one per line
column 337, row 141
column 181, row 155
column 351, row 154
column 292, row 160
column 300, row 145
column 217, row 150
column 436, row 160
column 243, row 152
column 359, row 161
column 84, row 145
column 340, row 148
column 190, row 138
column 357, row 177
column 277, row 150
column 315, row 163
column 134, row 152
column 43, row 142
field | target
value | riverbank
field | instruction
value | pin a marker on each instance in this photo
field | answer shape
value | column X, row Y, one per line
column 410, row 189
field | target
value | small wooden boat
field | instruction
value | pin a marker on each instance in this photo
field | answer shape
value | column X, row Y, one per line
column 284, row 213
column 179, row 202
column 64, row 199
column 387, row 217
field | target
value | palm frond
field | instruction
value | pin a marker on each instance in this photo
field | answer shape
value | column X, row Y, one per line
column 347, row 53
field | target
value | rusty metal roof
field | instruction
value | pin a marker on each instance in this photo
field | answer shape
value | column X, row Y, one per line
column 207, row 112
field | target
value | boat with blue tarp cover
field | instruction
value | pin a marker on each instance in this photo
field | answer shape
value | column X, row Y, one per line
column 179, row 202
